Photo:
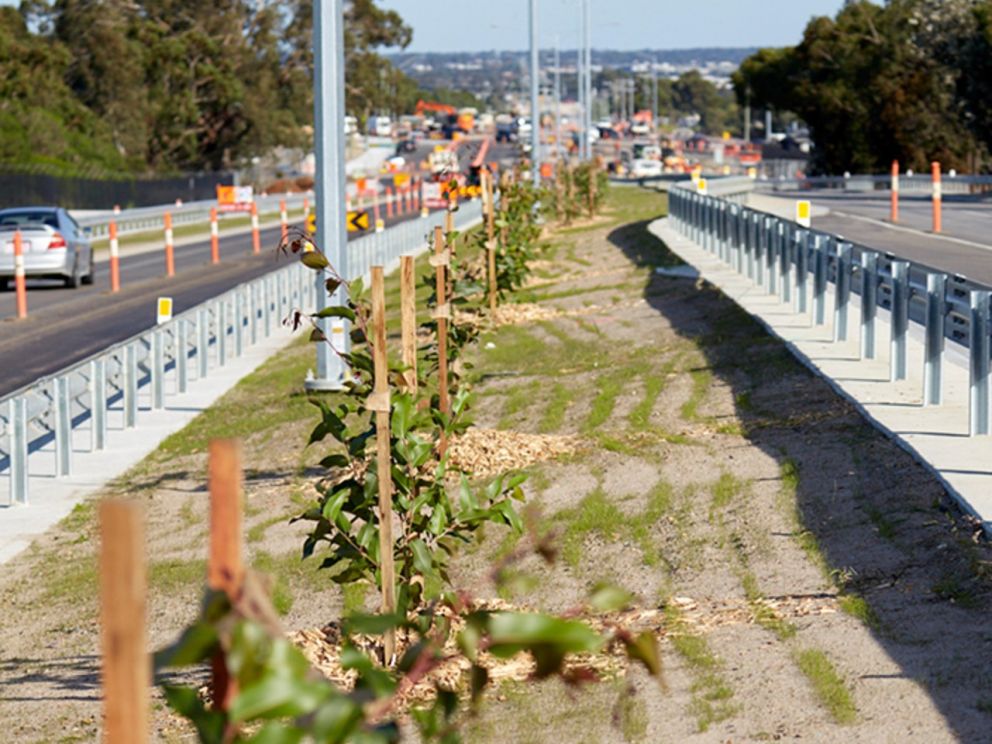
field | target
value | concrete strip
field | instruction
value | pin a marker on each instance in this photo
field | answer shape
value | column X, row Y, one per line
column 937, row 436
column 910, row 230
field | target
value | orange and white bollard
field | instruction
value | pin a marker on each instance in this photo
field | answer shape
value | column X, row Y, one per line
column 935, row 177
column 306, row 210
column 894, row 206
column 19, row 285
column 283, row 219
column 170, row 260
column 214, row 237
column 115, row 263
column 389, row 202
column 256, row 238
column 416, row 195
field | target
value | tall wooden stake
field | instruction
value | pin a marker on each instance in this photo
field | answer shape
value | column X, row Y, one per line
column 379, row 402
column 127, row 673
column 487, row 185
column 225, row 566
column 408, row 320
column 441, row 315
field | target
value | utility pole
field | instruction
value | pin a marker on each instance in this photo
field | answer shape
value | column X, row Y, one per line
column 654, row 94
column 328, row 105
column 747, row 115
column 535, row 114
column 580, row 50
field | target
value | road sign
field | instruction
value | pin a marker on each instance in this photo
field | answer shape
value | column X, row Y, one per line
column 235, row 198
column 164, row 306
column 312, row 223
column 701, row 186
column 358, row 221
column 803, row 213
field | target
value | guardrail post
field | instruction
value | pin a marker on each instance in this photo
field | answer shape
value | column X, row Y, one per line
column 869, row 302
column 250, row 292
column 978, row 398
column 899, row 319
column 758, row 248
column 239, row 321
column 744, row 236
column 842, row 296
column 98, row 403
column 803, row 240
column 936, row 313
column 17, row 419
column 202, row 342
column 182, row 357
column 63, row 426
column 158, row 370
column 266, row 306
column 819, row 280
column 771, row 253
column 130, row 387
column 220, row 312
column 785, row 264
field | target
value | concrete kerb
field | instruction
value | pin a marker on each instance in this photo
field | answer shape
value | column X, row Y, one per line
column 936, row 436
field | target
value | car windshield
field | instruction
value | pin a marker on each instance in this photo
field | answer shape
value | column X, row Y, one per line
column 32, row 218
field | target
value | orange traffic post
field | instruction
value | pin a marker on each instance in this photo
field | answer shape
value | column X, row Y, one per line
column 126, row 665
column 894, row 207
column 306, row 209
column 170, row 260
column 935, row 177
column 283, row 218
column 214, row 237
column 256, row 239
column 115, row 265
column 416, row 195
column 389, row 202
column 225, row 568
column 19, row 285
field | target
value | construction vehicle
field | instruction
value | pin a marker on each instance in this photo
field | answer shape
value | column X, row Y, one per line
column 451, row 119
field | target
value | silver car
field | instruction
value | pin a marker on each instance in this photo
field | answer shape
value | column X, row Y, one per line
column 53, row 243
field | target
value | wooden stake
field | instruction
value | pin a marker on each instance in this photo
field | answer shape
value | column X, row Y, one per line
column 487, row 185
column 593, row 170
column 127, row 671
column 225, row 567
column 408, row 320
column 441, row 314
column 560, row 192
column 380, row 404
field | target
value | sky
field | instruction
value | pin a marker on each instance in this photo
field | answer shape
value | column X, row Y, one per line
column 464, row 25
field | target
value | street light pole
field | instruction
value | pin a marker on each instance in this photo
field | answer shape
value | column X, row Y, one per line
column 587, row 41
column 580, row 80
column 328, row 105
column 535, row 114
column 557, row 98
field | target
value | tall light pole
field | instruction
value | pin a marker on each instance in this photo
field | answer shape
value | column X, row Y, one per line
column 328, row 138
column 557, row 98
column 535, row 114
column 580, row 81
column 587, row 41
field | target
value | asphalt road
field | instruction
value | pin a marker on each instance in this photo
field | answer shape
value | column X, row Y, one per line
column 964, row 247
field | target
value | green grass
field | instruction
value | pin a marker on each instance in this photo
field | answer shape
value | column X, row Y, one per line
column 640, row 416
column 291, row 575
column 609, row 387
column 827, row 685
column 711, row 694
column 701, row 381
column 553, row 417
column 172, row 575
column 858, row 607
column 725, row 490
column 518, row 398
column 353, row 595
column 633, row 714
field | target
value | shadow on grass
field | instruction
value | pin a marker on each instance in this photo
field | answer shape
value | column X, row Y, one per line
column 882, row 528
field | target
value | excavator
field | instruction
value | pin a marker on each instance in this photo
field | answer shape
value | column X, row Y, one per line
column 452, row 119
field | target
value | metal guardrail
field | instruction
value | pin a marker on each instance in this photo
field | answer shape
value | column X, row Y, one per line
column 798, row 264
column 170, row 358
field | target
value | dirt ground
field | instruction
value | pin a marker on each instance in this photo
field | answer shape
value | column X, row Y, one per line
column 815, row 582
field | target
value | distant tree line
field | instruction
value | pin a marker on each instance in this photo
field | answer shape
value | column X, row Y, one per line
column 161, row 86
column 909, row 80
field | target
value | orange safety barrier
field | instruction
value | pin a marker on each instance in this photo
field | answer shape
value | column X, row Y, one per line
column 256, row 239
column 214, row 237
column 935, row 178
column 19, row 285
column 115, row 267
column 170, row 260
column 894, row 206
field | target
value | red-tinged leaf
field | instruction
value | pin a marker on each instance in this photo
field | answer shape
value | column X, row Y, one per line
column 644, row 648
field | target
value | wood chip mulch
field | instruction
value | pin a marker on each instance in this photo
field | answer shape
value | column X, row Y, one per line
column 485, row 452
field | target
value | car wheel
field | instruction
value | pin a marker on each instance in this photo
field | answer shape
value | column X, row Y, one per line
column 72, row 281
column 88, row 279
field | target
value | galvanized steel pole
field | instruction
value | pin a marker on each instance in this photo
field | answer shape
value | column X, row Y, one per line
column 587, row 43
column 328, row 103
column 535, row 114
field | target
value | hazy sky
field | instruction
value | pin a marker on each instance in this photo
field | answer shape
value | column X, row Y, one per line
column 459, row 25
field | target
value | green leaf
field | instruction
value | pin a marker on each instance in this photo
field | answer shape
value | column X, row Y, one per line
column 335, row 461
column 333, row 505
column 644, row 649
column 315, row 260
column 278, row 697
column 422, row 557
column 336, row 311
column 186, row 702
column 510, row 632
column 196, row 644
column 360, row 622
column 274, row 732
column 609, row 597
